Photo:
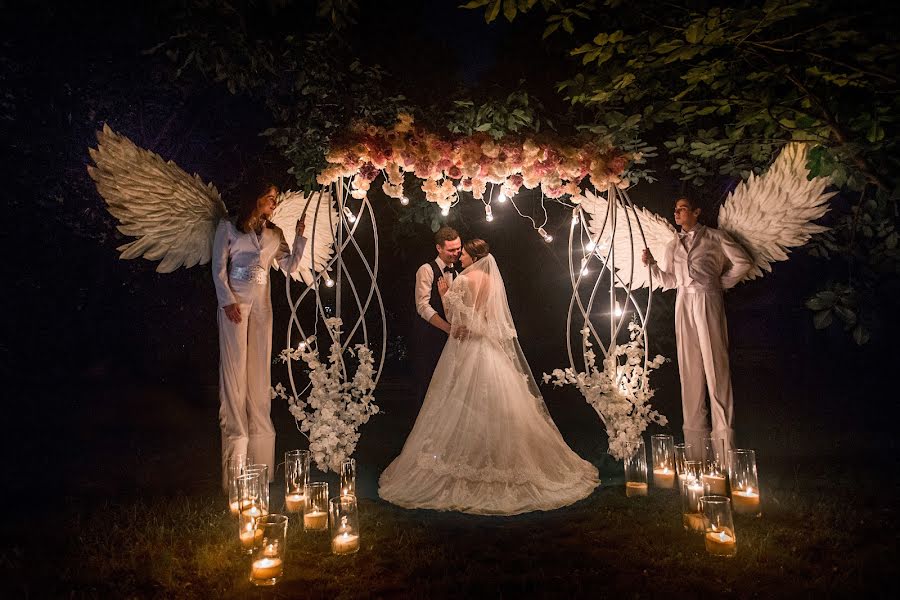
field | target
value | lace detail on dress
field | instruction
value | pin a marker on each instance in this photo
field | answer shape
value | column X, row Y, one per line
column 488, row 473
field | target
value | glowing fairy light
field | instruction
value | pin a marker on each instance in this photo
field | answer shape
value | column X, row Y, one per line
column 501, row 197
column 349, row 215
column 445, row 211
column 488, row 213
column 404, row 201
column 543, row 233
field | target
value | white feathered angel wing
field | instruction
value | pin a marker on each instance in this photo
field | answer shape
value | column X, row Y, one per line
column 772, row 213
column 173, row 215
column 321, row 220
column 628, row 241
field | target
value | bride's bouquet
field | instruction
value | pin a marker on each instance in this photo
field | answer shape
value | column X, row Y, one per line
column 618, row 391
column 336, row 407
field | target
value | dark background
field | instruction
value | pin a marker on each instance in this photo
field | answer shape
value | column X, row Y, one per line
column 77, row 319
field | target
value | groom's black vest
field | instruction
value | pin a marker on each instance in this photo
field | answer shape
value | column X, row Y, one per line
column 429, row 340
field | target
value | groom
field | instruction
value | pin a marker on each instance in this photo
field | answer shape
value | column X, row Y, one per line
column 431, row 329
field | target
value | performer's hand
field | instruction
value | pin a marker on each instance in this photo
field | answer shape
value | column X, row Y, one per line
column 647, row 257
column 443, row 286
column 233, row 312
column 301, row 227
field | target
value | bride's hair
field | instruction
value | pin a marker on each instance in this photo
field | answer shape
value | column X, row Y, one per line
column 477, row 249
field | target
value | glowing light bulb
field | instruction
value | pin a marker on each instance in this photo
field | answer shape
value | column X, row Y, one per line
column 589, row 247
column 575, row 219
column 329, row 282
column 618, row 310
column 302, row 345
column 349, row 215
column 445, row 211
column 547, row 237
column 584, row 269
column 404, row 201
column 488, row 213
column 501, row 198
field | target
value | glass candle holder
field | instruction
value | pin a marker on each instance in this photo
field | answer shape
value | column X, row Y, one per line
column 296, row 476
column 250, row 511
column 267, row 562
column 344, row 525
column 682, row 453
column 234, row 468
column 691, row 491
column 714, row 480
column 315, row 509
column 744, row 482
column 662, row 448
column 263, row 471
column 719, row 526
column 348, row 477
column 636, row 471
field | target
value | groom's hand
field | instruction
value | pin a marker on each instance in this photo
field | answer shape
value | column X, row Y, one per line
column 233, row 312
column 460, row 332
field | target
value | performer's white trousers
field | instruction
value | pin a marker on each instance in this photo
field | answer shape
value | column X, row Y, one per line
column 702, row 339
column 245, row 356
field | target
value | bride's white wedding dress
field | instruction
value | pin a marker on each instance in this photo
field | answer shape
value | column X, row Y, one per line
column 484, row 442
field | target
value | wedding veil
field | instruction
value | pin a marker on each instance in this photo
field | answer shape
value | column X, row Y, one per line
column 478, row 310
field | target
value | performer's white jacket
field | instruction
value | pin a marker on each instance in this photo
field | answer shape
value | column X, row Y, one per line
column 701, row 263
column 240, row 264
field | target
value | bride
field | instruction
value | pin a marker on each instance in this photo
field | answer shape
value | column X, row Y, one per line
column 484, row 442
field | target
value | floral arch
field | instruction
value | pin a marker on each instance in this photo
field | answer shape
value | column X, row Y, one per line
column 588, row 177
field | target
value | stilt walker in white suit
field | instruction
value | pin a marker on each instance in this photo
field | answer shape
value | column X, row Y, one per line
column 243, row 253
column 702, row 262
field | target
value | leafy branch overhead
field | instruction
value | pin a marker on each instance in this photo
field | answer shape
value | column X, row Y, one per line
column 722, row 88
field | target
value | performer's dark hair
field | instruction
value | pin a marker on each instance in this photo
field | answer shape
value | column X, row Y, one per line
column 477, row 249
column 693, row 204
column 444, row 235
column 249, row 194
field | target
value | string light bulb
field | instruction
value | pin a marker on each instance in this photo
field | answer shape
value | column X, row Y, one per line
column 488, row 213
column 349, row 215
column 404, row 200
column 445, row 211
column 329, row 282
column 618, row 310
column 575, row 219
column 543, row 233
column 501, row 198
column 589, row 247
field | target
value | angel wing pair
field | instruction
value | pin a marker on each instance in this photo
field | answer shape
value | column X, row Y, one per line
column 174, row 215
column 767, row 214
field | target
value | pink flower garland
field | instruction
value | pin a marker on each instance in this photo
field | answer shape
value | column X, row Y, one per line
column 467, row 163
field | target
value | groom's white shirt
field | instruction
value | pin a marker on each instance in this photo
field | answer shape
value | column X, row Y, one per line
column 424, row 281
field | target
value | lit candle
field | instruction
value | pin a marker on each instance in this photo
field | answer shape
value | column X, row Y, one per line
column 715, row 484
column 745, row 501
column 720, row 543
column 250, row 536
column 635, row 488
column 693, row 522
column 235, row 507
column 267, row 568
column 294, row 502
column 664, row 478
column 317, row 519
column 254, row 511
column 345, row 543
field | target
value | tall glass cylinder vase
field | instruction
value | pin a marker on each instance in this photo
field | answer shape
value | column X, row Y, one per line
column 682, row 453
column 663, row 451
column 263, row 471
column 719, row 526
column 234, row 468
column 250, row 506
column 744, row 482
column 344, row 525
column 714, row 475
column 691, row 491
column 315, row 509
column 636, row 471
column 267, row 564
column 348, row 477
column 296, row 476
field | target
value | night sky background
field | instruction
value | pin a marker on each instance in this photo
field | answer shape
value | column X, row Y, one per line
column 78, row 319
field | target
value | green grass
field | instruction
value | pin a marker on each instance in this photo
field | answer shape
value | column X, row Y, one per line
column 826, row 530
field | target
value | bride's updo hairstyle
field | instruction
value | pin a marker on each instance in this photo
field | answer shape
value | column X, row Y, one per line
column 477, row 249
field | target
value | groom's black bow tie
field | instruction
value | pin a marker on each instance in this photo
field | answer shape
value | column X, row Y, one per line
column 450, row 270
